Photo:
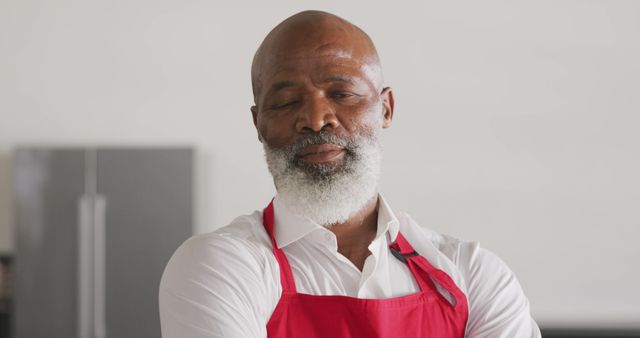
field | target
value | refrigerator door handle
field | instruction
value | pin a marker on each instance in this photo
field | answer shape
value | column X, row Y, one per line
column 99, row 265
column 85, row 266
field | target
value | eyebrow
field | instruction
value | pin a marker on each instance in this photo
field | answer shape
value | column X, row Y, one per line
column 281, row 85
column 333, row 78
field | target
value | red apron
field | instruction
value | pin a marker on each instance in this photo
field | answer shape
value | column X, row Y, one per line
column 423, row 314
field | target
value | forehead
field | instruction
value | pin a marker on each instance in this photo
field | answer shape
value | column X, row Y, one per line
column 309, row 63
column 317, row 61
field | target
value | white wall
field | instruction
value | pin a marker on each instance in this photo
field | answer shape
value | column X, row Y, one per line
column 516, row 124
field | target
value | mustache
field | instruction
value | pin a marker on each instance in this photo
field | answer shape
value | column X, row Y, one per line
column 322, row 137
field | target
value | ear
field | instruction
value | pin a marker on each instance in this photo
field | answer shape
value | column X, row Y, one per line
column 388, row 104
column 254, row 114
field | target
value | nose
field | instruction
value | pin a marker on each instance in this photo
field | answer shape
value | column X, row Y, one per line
column 317, row 115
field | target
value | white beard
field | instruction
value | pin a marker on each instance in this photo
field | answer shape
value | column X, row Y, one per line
column 327, row 193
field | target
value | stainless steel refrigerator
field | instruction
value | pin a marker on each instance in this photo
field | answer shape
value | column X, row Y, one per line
column 94, row 230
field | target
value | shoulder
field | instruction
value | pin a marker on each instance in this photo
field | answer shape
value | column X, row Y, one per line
column 245, row 233
column 455, row 250
column 466, row 261
column 224, row 282
column 242, row 247
column 497, row 304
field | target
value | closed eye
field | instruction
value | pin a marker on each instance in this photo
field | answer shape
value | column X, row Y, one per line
column 284, row 105
column 342, row 95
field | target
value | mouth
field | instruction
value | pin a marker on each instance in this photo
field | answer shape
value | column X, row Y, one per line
column 321, row 153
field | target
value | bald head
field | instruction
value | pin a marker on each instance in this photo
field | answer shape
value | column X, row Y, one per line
column 311, row 34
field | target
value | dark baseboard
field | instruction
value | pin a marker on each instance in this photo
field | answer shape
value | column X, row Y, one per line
column 590, row 333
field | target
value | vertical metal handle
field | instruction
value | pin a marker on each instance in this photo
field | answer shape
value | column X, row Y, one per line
column 85, row 266
column 91, row 255
column 99, row 266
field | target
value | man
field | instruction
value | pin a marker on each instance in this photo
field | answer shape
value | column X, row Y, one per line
column 328, row 257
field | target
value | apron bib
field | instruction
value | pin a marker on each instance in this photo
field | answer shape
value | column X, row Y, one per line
column 423, row 314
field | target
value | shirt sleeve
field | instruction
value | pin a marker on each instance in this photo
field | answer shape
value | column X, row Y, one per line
column 497, row 305
column 215, row 286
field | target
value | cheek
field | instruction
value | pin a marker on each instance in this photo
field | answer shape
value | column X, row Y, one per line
column 369, row 118
column 276, row 132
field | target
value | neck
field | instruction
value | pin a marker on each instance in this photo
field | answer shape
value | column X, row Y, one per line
column 355, row 234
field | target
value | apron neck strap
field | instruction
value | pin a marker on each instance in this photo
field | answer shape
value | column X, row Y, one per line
column 404, row 252
column 286, row 276
column 418, row 265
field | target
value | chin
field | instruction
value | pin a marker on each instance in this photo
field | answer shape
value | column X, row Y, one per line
column 328, row 193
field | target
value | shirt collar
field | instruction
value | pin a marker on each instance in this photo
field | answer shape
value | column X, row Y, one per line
column 387, row 221
column 290, row 227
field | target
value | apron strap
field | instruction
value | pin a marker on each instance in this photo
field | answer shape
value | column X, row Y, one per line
column 286, row 276
column 403, row 250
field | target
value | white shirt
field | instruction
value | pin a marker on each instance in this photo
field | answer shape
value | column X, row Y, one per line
column 227, row 283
